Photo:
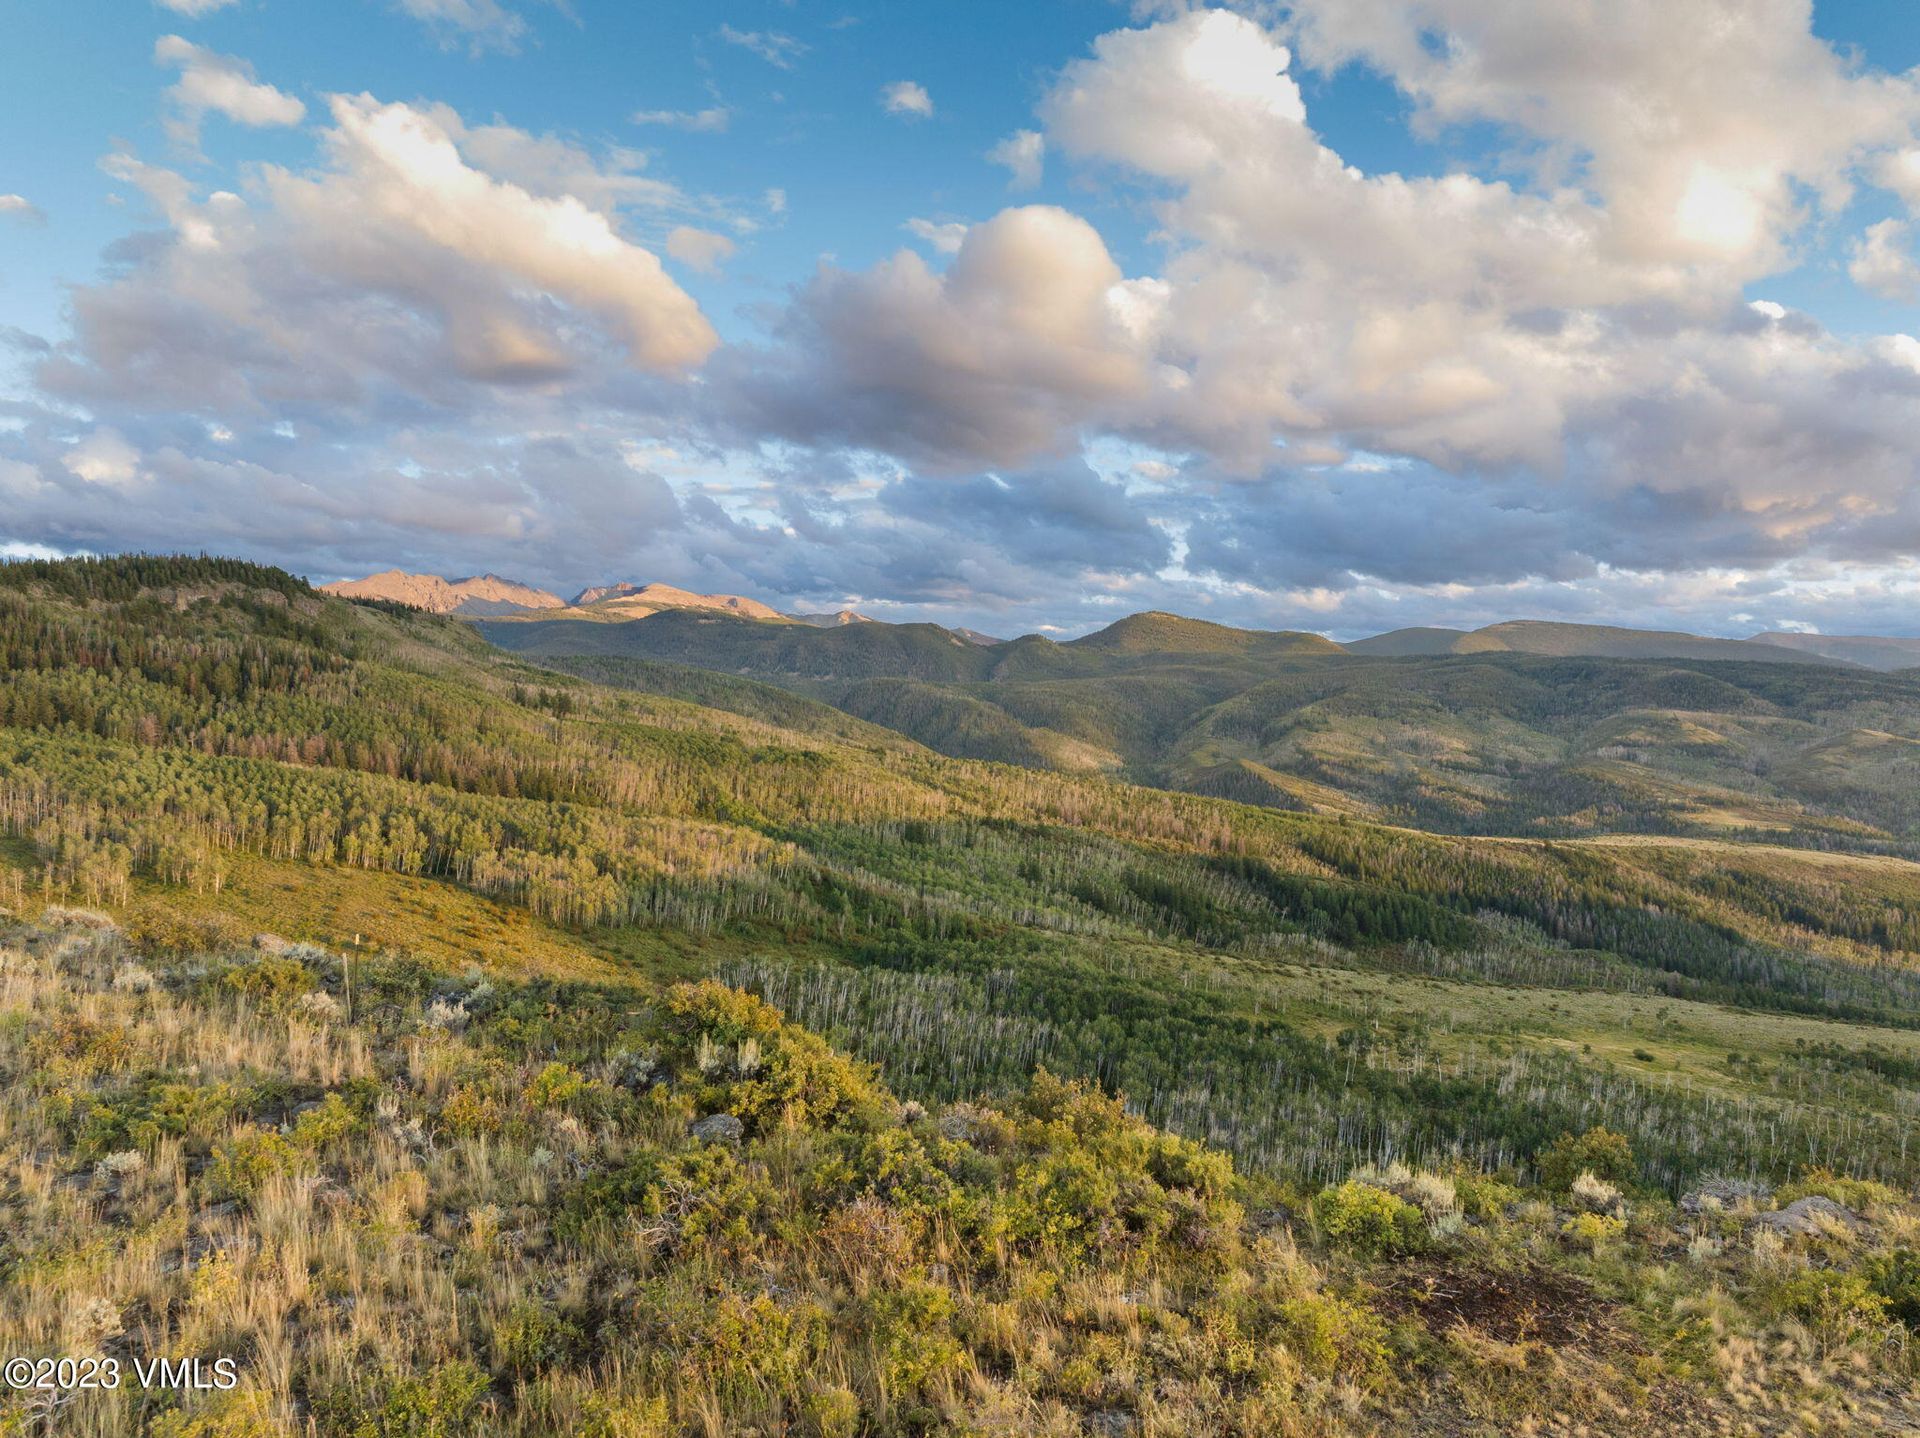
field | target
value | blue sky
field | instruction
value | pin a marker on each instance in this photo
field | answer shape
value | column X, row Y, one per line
column 1340, row 315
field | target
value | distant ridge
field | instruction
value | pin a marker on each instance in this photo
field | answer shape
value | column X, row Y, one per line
column 480, row 595
column 1875, row 652
column 835, row 619
column 1587, row 641
column 1157, row 632
column 1405, row 643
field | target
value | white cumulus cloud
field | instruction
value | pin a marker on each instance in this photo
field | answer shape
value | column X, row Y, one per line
column 1024, row 154
column 221, row 85
column 906, row 97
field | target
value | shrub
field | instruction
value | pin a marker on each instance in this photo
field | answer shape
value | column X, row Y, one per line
column 330, row 1122
column 1599, row 1151
column 1485, row 1198
column 1896, row 1278
column 912, row 1336
column 471, row 1111
column 832, row 1412
column 443, row 1402
column 1838, row 1304
column 554, row 1087
column 246, row 1161
column 792, row 1076
column 272, row 982
column 1334, row 1337
column 1369, row 1221
column 1593, row 1231
column 531, row 1336
column 247, row 1414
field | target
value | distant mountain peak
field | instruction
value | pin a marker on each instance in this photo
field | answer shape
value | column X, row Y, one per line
column 480, row 594
column 625, row 600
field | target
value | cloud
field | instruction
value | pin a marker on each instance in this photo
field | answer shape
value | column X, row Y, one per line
column 993, row 361
column 104, row 458
column 1695, row 125
column 481, row 25
column 1573, row 366
column 1883, row 261
column 195, row 9
column 222, row 85
column 906, row 97
column 401, row 272
column 1024, row 154
column 1315, row 394
column 712, row 120
column 701, row 250
column 945, row 236
column 19, row 207
column 777, row 49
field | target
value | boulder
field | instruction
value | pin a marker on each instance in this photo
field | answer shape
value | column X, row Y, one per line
column 1807, row 1215
column 1715, row 1193
column 718, row 1128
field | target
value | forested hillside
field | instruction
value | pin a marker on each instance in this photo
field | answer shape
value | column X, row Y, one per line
column 211, row 752
column 1467, row 736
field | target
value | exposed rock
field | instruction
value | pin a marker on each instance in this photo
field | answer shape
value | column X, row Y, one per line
column 637, row 601
column 718, row 1128
column 1806, row 1215
column 1267, row 1220
column 483, row 594
column 1714, row 1193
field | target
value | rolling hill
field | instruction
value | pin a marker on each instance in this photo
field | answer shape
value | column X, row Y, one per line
column 1468, row 737
column 349, row 957
column 1871, row 652
column 1599, row 641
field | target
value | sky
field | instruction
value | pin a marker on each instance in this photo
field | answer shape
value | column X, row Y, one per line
column 1340, row 315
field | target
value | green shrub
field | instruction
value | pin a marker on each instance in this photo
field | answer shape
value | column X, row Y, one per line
column 1334, row 1337
column 245, row 1414
column 443, row 1402
column 554, row 1087
column 271, row 981
column 1839, row 1304
column 1599, row 1151
column 531, row 1336
column 1369, row 1221
column 747, row 1060
column 1896, row 1278
column 1593, row 1231
column 832, row 1412
column 912, row 1334
column 330, row 1122
column 246, row 1161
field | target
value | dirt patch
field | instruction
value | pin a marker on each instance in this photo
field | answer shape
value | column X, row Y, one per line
column 1534, row 1305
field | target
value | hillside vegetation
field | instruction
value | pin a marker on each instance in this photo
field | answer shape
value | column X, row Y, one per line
column 1468, row 735
column 206, row 751
column 417, row 1204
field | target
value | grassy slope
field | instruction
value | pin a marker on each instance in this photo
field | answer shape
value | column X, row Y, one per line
column 483, row 1208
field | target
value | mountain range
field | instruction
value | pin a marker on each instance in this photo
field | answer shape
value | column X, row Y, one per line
column 491, row 597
